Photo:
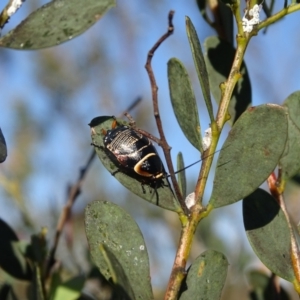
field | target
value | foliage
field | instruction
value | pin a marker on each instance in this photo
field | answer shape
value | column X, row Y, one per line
column 262, row 146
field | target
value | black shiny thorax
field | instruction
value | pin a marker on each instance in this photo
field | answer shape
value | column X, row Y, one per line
column 133, row 153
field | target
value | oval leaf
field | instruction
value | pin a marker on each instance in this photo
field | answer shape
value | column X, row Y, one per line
column 12, row 260
column 250, row 153
column 161, row 195
column 54, row 23
column 199, row 64
column 219, row 57
column 184, row 102
column 3, row 149
column 268, row 233
column 181, row 177
column 290, row 162
column 206, row 277
column 118, row 248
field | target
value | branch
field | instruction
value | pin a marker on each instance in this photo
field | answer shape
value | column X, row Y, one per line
column 10, row 9
column 285, row 11
column 73, row 194
column 163, row 142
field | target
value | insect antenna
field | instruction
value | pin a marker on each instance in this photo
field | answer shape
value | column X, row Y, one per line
column 178, row 171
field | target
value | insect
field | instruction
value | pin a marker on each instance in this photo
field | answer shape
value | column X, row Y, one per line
column 134, row 154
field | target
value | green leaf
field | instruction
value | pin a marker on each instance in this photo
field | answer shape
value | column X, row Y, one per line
column 292, row 103
column 181, row 177
column 268, row 233
column 184, row 102
column 289, row 162
column 219, row 57
column 199, row 64
column 265, row 287
column 118, row 248
column 12, row 260
column 3, row 148
column 35, row 290
column 54, row 23
column 206, row 277
column 70, row 289
column 161, row 196
column 250, row 153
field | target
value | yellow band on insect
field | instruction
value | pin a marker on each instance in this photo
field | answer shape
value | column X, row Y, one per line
column 137, row 168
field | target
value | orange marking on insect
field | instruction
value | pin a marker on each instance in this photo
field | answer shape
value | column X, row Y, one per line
column 138, row 168
column 114, row 124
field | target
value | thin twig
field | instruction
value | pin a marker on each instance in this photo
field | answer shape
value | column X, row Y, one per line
column 73, row 194
column 163, row 142
column 279, row 15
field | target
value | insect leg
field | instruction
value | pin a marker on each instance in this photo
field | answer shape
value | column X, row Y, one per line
column 131, row 120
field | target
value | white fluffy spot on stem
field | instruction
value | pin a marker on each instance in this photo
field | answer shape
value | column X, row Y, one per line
column 190, row 200
column 206, row 141
column 253, row 13
column 14, row 6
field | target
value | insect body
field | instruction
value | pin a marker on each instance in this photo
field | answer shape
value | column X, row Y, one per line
column 129, row 154
column 134, row 154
